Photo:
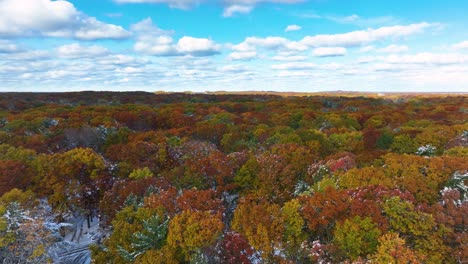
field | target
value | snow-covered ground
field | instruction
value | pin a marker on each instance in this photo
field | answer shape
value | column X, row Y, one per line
column 74, row 249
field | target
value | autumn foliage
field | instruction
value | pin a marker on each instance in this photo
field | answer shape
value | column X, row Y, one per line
column 204, row 178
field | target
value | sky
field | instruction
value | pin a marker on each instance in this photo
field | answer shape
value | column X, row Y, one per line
column 234, row 45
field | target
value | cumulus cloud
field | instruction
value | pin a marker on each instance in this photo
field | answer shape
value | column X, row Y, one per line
column 242, row 55
column 362, row 37
column 236, row 9
column 394, row 49
column 231, row 7
column 326, row 45
column 292, row 28
column 8, row 47
column 428, row 58
column 235, row 68
column 293, row 74
column 75, row 50
column 156, row 45
column 289, row 58
column 146, row 26
column 130, row 70
column 461, row 45
column 294, row 66
column 242, row 47
column 268, row 42
column 53, row 19
column 180, row 4
column 329, row 52
column 121, row 60
column 361, row 21
column 25, row 55
column 92, row 29
column 197, row 46
column 152, row 40
column 346, row 19
column 254, row 2
column 246, row 6
column 366, row 49
column 271, row 43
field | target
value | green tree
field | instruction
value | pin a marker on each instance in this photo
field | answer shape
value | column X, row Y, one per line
column 153, row 236
column 418, row 229
column 403, row 144
column 357, row 237
column 246, row 178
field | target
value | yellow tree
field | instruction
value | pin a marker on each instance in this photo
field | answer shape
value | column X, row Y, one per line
column 262, row 224
column 71, row 179
column 294, row 225
column 393, row 250
column 191, row 231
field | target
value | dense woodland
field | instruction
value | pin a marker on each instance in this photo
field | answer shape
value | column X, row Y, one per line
column 204, row 178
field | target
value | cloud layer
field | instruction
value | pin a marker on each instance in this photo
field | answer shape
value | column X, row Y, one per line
column 53, row 45
column 53, row 19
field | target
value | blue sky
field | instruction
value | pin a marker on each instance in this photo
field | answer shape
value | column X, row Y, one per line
column 234, row 45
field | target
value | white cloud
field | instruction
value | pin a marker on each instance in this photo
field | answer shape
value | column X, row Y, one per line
column 268, row 42
column 292, row 28
column 329, row 52
column 235, row 68
column 294, row 66
column 164, row 46
column 13, row 68
column 346, row 19
column 289, row 58
column 366, row 49
column 181, row 4
column 366, row 59
column 394, row 49
column 26, row 18
column 361, row 37
column 296, row 46
column 130, row 70
column 233, row 7
column 293, row 74
column 236, row 9
column 147, row 27
column 73, row 51
column 428, row 58
column 122, row 60
column 461, row 45
column 245, row 55
column 8, row 47
column 254, row 2
column 197, row 46
column 92, row 29
column 361, row 21
column 152, row 40
column 26, row 55
column 271, row 43
column 242, row 47
column 331, row 66
column 157, row 45
column 26, row 15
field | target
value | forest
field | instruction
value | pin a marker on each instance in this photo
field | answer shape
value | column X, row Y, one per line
column 135, row 177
